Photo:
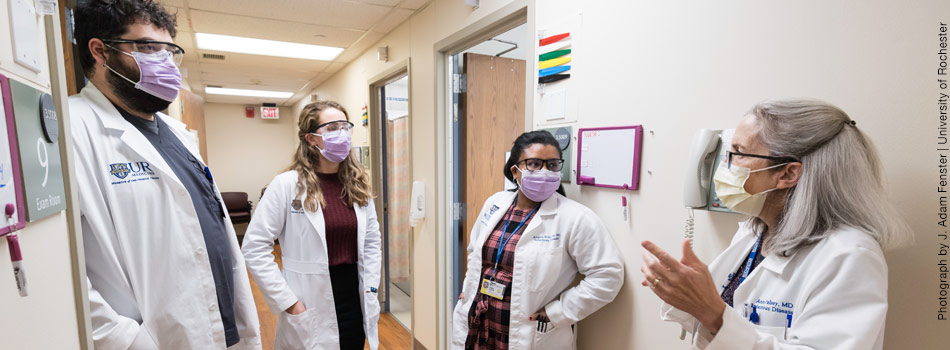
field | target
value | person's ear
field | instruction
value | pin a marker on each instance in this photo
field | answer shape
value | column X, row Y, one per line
column 515, row 172
column 311, row 139
column 98, row 50
column 789, row 175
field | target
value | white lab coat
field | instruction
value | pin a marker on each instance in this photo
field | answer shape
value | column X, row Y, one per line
column 836, row 291
column 149, row 279
column 562, row 239
column 306, row 274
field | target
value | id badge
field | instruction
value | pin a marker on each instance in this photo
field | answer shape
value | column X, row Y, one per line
column 493, row 289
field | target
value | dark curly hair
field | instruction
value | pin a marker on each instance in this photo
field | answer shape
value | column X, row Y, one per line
column 110, row 19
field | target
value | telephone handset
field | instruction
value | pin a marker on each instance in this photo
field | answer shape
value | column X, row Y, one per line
column 706, row 154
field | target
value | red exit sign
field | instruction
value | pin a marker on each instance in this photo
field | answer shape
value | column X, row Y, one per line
column 269, row 113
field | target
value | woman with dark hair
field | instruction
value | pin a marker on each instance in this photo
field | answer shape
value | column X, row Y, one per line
column 526, row 249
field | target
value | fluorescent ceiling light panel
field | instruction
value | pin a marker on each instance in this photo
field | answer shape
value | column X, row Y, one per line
column 251, row 46
column 248, row 93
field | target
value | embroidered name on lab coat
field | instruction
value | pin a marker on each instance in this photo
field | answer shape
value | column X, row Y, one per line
column 131, row 172
column 548, row 238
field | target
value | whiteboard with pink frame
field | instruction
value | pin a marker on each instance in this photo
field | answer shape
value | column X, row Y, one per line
column 609, row 157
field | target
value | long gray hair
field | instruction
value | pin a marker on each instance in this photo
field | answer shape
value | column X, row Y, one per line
column 841, row 182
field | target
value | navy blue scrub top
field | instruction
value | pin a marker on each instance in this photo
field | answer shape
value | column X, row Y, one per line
column 210, row 211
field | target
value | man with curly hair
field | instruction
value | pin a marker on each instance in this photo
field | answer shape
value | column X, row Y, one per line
column 164, row 267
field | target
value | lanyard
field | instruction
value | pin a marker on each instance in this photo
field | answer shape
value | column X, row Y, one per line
column 748, row 263
column 503, row 240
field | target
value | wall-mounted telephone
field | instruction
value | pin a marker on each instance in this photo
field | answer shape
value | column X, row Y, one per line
column 705, row 155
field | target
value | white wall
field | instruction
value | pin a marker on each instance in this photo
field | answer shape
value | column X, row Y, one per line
column 245, row 154
column 677, row 66
column 50, row 308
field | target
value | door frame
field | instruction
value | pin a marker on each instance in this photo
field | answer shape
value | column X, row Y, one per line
column 377, row 152
column 514, row 14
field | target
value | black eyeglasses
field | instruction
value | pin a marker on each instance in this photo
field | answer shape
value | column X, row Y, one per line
column 777, row 159
column 152, row 46
column 537, row 164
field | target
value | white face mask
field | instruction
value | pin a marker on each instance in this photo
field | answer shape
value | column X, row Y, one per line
column 730, row 188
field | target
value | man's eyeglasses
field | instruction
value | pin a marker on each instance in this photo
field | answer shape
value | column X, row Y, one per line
column 334, row 126
column 732, row 154
column 152, row 46
column 538, row 164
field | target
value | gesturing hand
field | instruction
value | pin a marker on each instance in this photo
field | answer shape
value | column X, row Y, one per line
column 686, row 284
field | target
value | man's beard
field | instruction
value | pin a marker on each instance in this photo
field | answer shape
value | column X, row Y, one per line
column 138, row 100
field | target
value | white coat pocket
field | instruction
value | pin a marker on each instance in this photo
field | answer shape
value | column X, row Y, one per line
column 545, row 268
column 553, row 338
column 777, row 332
column 296, row 331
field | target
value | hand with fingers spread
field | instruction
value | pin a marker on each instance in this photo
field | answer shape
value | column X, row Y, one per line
column 685, row 284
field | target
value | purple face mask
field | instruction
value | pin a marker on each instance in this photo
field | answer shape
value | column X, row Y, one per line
column 539, row 185
column 336, row 145
column 158, row 74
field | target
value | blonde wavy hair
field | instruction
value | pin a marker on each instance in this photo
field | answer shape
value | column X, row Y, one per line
column 356, row 184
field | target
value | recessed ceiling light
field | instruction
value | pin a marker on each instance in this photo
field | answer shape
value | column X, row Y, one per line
column 245, row 92
column 251, row 46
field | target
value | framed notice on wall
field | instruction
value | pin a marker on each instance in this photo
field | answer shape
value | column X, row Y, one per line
column 10, row 182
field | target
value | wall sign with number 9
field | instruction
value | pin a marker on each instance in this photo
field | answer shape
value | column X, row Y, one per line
column 43, row 156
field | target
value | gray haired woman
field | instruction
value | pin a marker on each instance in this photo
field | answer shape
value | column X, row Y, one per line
column 806, row 271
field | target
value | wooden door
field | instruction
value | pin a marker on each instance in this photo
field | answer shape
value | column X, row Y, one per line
column 494, row 110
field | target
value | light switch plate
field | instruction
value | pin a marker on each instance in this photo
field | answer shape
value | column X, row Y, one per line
column 25, row 34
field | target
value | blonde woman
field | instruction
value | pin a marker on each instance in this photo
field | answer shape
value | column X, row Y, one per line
column 322, row 212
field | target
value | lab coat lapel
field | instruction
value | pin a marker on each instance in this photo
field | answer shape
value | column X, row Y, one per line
column 316, row 220
column 133, row 139
column 189, row 139
column 548, row 208
column 500, row 207
column 729, row 261
column 360, row 228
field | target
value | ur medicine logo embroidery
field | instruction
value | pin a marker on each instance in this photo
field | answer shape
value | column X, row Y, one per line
column 132, row 172
column 120, row 170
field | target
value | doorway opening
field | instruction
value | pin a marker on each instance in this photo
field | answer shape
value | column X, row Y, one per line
column 394, row 181
column 489, row 111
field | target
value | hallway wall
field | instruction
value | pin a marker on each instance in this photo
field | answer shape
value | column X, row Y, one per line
column 675, row 67
column 235, row 141
column 684, row 66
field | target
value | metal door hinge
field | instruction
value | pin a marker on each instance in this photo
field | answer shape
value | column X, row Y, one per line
column 458, row 83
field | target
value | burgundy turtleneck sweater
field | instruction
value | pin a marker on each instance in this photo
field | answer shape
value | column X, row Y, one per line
column 340, row 221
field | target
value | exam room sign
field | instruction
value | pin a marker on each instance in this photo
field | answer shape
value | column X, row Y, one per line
column 40, row 162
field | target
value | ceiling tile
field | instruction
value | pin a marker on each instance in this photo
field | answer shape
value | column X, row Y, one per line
column 265, row 61
column 334, row 67
column 280, row 72
column 357, row 49
column 413, row 4
column 392, row 20
column 336, row 13
column 380, row 2
column 245, row 100
column 270, row 29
